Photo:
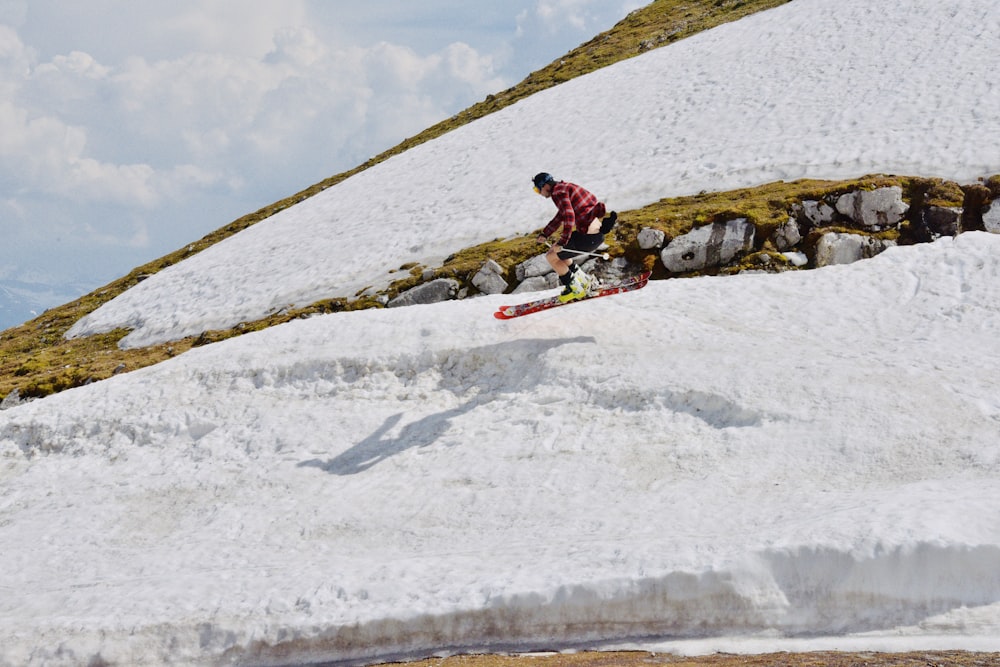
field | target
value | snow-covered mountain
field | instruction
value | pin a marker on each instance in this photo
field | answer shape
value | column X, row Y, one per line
column 803, row 460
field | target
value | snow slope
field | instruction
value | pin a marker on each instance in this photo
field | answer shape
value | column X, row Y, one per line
column 804, row 454
column 747, row 463
column 810, row 89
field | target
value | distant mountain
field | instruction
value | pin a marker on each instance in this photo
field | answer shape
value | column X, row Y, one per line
column 20, row 302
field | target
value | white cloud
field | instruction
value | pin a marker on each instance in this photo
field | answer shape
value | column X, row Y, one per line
column 136, row 237
column 556, row 13
column 139, row 132
column 467, row 65
column 582, row 17
column 113, row 30
column 297, row 45
column 46, row 155
column 14, row 63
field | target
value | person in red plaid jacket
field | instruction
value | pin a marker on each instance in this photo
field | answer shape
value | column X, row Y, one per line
column 581, row 229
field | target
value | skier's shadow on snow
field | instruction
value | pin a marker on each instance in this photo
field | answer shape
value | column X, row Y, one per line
column 377, row 447
column 427, row 430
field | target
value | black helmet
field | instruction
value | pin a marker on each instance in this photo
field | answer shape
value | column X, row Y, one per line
column 541, row 179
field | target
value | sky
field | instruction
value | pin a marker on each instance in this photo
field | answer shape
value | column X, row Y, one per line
column 750, row 463
column 128, row 130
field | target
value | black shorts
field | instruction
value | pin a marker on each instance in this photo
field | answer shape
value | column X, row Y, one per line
column 581, row 242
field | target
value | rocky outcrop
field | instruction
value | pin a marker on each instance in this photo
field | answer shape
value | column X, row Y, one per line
column 874, row 210
column 489, row 279
column 650, row 239
column 839, row 248
column 532, row 268
column 836, row 229
column 708, row 246
column 435, row 291
column 991, row 218
column 788, row 235
column 942, row 221
column 11, row 400
column 816, row 213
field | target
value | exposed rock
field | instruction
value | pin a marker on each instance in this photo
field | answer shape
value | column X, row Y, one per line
column 991, row 218
column 787, row 236
column 442, row 289
column 876, row 209
column 614, row 271
column 817, row 213
column 650, row 238
column 11, row 400
column 489, row 279
column 975, row 201
column 536, row 266
column 836, row 248
column 942, row 221
column 537, row 283
column 708, row 246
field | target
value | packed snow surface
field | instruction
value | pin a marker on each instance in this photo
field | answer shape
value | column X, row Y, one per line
column 803, row 460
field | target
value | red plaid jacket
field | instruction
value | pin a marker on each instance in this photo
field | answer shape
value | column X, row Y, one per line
column 577, row 209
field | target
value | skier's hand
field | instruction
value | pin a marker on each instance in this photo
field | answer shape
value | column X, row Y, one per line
column 542, row 239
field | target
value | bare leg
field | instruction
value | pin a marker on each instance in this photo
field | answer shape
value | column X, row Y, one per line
column 559, row 265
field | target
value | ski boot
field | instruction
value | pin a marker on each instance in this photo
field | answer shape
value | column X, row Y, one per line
column 577, row 287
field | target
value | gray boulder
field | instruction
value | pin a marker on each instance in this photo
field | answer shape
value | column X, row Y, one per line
column 788, row 235
column 537, row 283
column 836, row 248
column 536, row 266
column 442, row 289
column 991, row 218
column 489, row 279
column 650, row 238
column 817, row 213
column 708, row 246
column 875, row 209
column 11, row 400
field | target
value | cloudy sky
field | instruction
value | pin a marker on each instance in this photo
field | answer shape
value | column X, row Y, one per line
column 128, row 129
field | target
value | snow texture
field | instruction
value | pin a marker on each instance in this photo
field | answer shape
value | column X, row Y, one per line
column 799, row 461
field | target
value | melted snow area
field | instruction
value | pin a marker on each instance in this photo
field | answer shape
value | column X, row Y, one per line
column 759, row 462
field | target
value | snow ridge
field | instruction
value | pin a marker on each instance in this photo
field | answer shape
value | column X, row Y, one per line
column 803, row 591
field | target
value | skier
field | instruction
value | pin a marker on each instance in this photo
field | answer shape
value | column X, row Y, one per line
column 582, row 229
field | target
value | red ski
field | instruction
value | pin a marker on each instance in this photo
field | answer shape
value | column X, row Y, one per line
column 628, row 285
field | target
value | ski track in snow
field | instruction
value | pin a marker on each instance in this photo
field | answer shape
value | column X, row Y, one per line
column 760, row 462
